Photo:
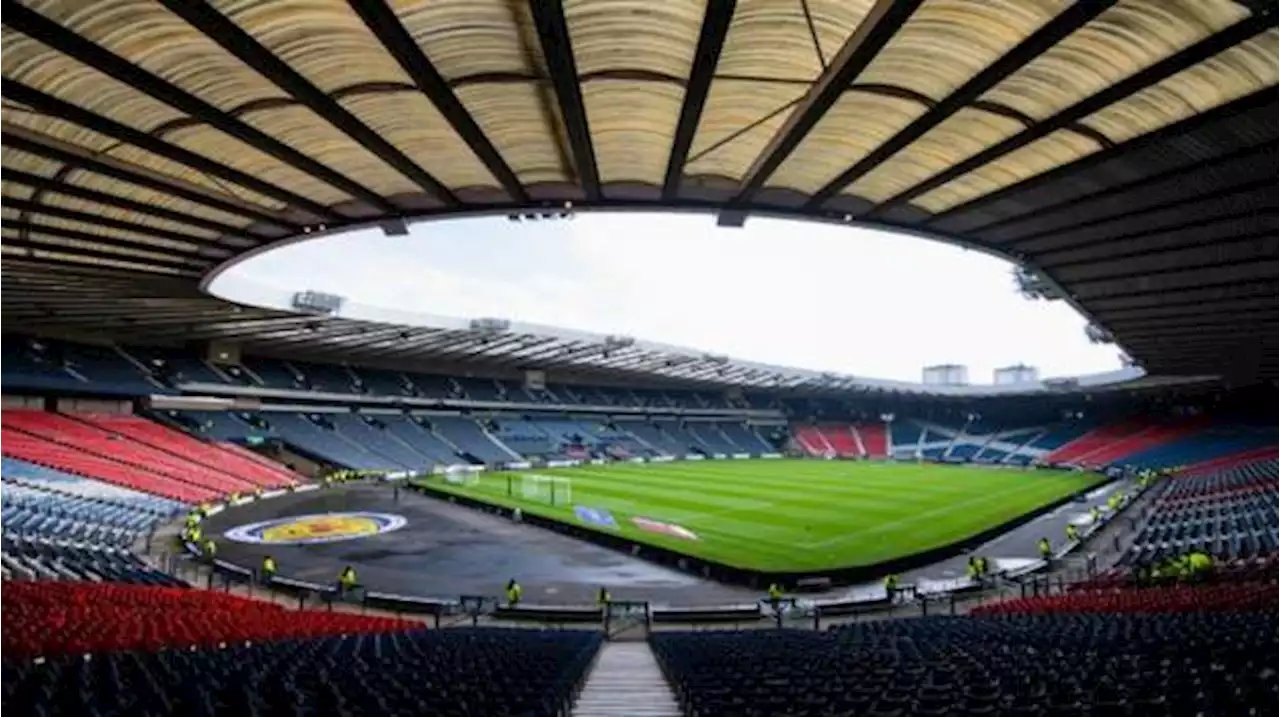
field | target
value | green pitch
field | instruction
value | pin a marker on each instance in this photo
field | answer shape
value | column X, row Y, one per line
column 792, row 515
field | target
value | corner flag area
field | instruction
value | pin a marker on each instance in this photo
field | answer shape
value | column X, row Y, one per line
column 783, row 515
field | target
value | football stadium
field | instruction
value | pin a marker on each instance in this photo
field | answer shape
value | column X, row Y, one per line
column 291, row 504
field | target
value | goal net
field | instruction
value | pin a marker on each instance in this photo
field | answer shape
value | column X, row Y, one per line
column 551, row 490
column 461, row 475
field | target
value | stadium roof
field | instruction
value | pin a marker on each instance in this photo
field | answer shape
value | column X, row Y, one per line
column 1125, row 151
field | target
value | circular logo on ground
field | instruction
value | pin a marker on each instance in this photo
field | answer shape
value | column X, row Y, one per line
column 313, row 529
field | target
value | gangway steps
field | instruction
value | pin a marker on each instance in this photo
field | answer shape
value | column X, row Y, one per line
column 626, row 682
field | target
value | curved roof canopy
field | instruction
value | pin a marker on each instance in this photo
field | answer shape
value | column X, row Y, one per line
column 1123, row 150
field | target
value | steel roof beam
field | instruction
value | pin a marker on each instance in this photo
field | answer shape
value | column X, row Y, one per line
column 881, row 22
column 1191, row 234
column 113, row 321
column 556, row 350
column 557, row 49
column 397, row 41
column 321, row 333
column 1066, row 208
column 1222, row 307
column 27, row 227
column 1248, row 191
column 52, row 106
column 232, row 38
column 1162, row 70
column 45, row 184
column 116, row 171
column 31, row 207
column 191, row 268
column 1191, row 246
column 1161, row 136
column 432, row 348
column 38, row 27
column 1199, row 270
column 1049, row 35
column 1244, row 316
column 379, row 342
column 715, row 28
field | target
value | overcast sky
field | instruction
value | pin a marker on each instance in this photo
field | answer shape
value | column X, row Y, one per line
column 804, row 295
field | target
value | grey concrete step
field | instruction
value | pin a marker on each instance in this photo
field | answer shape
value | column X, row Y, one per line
column 626, row 682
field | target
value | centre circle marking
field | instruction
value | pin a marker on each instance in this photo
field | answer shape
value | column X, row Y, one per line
column 315, row 529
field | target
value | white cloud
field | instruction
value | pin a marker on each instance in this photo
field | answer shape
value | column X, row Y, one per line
column 797, row 294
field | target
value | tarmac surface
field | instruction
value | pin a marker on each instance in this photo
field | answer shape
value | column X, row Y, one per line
column 444, row 551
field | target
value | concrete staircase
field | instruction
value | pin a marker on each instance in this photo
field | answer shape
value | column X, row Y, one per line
column 626, row 682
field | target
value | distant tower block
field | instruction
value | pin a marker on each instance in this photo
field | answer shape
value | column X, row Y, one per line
column 946, row 375
column 1016, row 374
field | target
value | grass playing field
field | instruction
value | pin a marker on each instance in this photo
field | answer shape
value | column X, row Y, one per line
column 789, row 515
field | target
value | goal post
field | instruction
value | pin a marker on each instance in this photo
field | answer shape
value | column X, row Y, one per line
column 462, row 475
column 549, row 490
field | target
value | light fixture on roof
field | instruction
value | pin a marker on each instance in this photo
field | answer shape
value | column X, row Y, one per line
column 848, row 217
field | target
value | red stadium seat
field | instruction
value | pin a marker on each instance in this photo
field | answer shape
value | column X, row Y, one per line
column 72, row 459
column 50, row 618
column 214, row 456
column 1212, row 598
column 136, row 453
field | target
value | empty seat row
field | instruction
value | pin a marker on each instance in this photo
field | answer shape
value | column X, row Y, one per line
column 53, row 618
column 1169, row 664
column 29, row 557
column 1229, row 513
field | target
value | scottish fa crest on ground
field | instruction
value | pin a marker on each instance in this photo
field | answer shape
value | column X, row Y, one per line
column 315, row 529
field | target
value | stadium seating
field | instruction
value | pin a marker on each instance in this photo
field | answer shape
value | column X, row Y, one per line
column 1149, row 437
column 47, row 364
column 261, row 474
column 381, row 446
column 444, row 673
column 1169, row 664
column 841, row 439
column 421, row 437
column 73, row 486
column 1207, row 444
column 744, row 438
column 315, row 434
column 76, row 509
column 1234, row 596
column 1231, row 460
column 653, row 438
column 70, row 459
column 680, row 436
column 875, row 439
column 1230, row 514
column 89, row 438
column 530, row 439
column 904, row 437
column 470, row 438
column 53, row 618
column 812, row 441
column 1096, row 440
column 39, row 558
column 710, row 438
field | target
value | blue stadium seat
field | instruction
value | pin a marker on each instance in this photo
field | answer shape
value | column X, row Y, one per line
column 1230, row 514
